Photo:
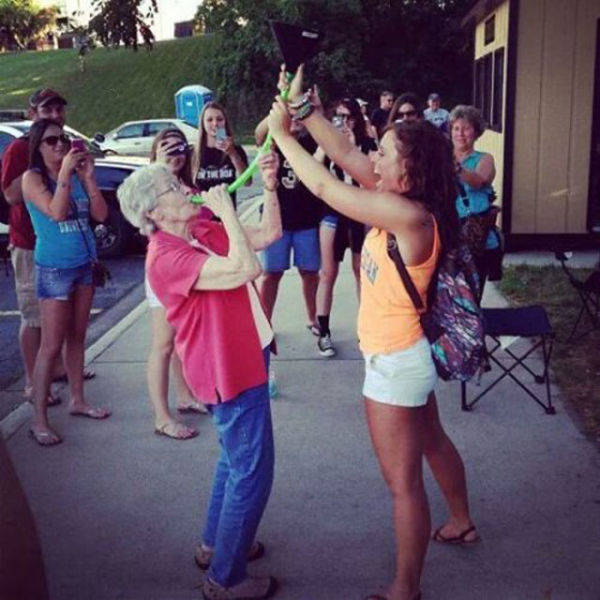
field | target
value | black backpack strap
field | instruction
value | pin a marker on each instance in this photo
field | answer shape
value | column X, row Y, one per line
column 394, row 254
column 463, row 195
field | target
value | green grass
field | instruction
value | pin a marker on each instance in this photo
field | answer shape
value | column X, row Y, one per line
column 117, row 85
column 575, row 364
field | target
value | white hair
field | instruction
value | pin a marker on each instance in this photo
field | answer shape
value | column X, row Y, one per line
column 137, row 195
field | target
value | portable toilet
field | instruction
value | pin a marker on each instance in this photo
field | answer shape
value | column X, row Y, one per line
column 189, row 101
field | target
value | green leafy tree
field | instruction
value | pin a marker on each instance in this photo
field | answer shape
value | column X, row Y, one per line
column 23, row 22
column 368, row 45
column 117, row 21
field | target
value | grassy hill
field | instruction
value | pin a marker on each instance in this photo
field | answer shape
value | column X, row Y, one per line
column 117, row 85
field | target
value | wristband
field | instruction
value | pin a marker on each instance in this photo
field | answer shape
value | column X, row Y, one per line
column 304, row 112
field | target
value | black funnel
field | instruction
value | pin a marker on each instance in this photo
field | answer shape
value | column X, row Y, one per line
column 297, row 44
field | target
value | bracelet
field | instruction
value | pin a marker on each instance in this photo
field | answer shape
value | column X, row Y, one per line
column 304, row 112
column 301, row 101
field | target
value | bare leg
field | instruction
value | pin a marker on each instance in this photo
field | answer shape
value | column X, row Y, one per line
column 449, row 472
column 81, row 304
column 310, row 282
column 328, row 273
column 397, row 434
column 268, row 291
column 356, row 270
column 55, row 316
column 29, row 342
column 157, row 374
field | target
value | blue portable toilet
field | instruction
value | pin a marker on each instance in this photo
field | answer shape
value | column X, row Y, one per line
column 189, row 101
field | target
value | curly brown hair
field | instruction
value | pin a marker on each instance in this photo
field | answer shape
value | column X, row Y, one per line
column 431, row 174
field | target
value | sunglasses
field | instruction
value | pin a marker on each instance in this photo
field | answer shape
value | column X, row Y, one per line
column 52, row 140
column 173, row 187
column 406, row 114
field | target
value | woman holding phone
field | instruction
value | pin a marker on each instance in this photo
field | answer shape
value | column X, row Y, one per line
column 217, row 159
column 171, row 149
column 61, row 195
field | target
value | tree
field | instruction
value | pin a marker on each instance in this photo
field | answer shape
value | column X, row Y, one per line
column 22, row 22
column 368, row 45
column 117, row 21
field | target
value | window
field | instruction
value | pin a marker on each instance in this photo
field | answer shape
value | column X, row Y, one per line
column 489, row 34
column 488, row 88
column 131, row 131
column 498, row 92
column 155, row 127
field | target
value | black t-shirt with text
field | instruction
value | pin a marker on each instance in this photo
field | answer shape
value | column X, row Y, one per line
column 216, row 168
column 299, row 206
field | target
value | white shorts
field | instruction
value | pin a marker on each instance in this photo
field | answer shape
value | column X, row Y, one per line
column 402, row 378
column 153, row 301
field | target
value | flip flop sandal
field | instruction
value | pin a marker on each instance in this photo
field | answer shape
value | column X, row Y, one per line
column 44, row 435
column 88, row 374
column 174, row 436
column 456, row 540
column 314, row 329
column 198, row 409
column 203, row 557
column 91, row 413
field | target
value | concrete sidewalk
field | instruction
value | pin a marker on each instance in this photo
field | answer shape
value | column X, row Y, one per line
column 119, row 509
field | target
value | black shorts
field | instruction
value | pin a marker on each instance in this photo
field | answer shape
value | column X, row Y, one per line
column 348, row 234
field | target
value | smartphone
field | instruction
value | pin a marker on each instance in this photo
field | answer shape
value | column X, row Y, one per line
column 178, row 149
column 221, row 134
column 78, row 145
column 338, row 121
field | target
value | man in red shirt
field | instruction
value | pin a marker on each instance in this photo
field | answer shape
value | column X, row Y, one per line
column 43, row 104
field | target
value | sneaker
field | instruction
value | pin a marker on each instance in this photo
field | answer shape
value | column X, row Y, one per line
column 325, row 346
column 252, row 588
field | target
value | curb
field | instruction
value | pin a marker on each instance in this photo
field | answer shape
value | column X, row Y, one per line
column 15, row 419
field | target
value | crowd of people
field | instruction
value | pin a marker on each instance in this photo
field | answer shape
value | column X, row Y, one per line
column 335, row 179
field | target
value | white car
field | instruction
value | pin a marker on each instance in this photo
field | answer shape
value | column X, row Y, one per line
column 135, row 138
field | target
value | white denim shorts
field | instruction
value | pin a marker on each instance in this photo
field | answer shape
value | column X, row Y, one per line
column 402, row 378
column 153, row 301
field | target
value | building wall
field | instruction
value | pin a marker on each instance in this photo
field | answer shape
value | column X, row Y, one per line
column 553, row 115
column 493, row 141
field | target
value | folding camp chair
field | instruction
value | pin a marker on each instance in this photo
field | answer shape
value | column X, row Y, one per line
column 589, row 293
column 528, row 322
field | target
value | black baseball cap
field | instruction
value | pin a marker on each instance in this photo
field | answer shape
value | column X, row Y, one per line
column 45, row 96
column 433, row 96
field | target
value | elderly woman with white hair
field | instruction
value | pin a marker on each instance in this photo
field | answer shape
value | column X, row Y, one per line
column 202, row 272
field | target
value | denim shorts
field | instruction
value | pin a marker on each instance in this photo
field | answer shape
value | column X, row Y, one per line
column 59, row 284
column 307, row 254
column 330, row 221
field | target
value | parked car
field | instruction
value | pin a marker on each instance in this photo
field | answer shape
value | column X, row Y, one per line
column 115, row 235
column 135, row 138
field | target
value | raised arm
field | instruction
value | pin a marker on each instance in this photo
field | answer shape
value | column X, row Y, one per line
column 334, row 143
column 240, row 265
column 384, row 210
column 269, row 230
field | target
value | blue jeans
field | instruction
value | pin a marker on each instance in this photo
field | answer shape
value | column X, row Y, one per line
column 242, row 481
column 307, row 254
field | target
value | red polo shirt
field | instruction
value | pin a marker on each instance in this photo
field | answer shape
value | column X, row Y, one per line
column 15, row 162
column 216, row 336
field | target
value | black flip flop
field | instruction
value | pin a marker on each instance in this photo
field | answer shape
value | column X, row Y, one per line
column 456, row 540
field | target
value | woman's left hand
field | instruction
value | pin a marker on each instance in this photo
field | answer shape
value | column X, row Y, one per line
column 85, row 167
column 269, row 165
column 279, row 119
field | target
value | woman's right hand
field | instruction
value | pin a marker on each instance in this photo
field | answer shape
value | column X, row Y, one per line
column 71, row 160
column 295, row 87
column 218, row 200
column 162, row 150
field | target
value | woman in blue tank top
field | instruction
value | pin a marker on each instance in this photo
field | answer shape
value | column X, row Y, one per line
column 476, row 170
column 61, row 194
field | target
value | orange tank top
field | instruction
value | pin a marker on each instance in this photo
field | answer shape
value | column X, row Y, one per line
column 387, row 318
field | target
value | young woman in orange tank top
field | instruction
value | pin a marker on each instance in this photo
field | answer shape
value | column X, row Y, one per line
column 407, row 190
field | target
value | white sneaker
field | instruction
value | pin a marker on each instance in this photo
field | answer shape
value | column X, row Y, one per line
column 325, row 346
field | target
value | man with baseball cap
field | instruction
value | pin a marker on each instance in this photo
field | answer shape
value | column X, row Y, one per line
column 43, row 104
column 435, row 114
